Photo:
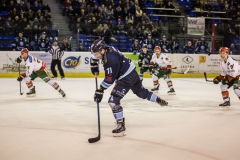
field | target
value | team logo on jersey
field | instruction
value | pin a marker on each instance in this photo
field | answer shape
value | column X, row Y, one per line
column 187, row 59
column 72, row 62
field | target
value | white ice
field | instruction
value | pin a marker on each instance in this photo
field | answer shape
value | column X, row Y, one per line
column 49, row 127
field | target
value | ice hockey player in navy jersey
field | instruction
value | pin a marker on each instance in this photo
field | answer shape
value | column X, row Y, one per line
column 144, row 59
column 121, row 71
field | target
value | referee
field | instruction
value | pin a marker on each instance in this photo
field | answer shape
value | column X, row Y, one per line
column 56, row 59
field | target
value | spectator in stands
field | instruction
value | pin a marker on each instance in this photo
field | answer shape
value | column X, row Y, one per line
column 28, row 6
column 20, row 42
column 155, row 34
column 35, row 7
column 120, row 4
column 145, row 18
column 165, row 45
column 233, row 50
column 23, row 24
column 39, row 14
column 150, row 25
column 119, row 27
column 65, row 46
column 98, row 31
column 106, row 33
column 31, row 15
column 174, row 44
column 129, row 18
column 16, row 24
column 35, row 22
column 82, row 15
column 99, row 17
column 42, row 22
column 94, row 24
column 102, row 9
column 22, row 14
column 188, row 48
column 95, row 10
column 53, row 33
column 136, row 47
column 139, row 34
column 138, row 15
column 40, row 2
column 27, row 31
column 77, row 26
column 118, row 11
column 158, row 4
column 150, row 43
column 236, row 29
column 146, row 32
column 142, row 24
column 109, row 12
column 9, row 26
column 90, row 3
column 169, row 6
column 11, row 6
column 80, row 48
column 66, row 4
column 111, row 25
column 131, row 33
column 124, row 12
column 86, row 28
column 43, row 42
column 45, row 30
column 14, row 13
column 88, row 10
column 35, row 33
column 75, row 4
column 202, row 46
column 45, row 8
column 21, row 6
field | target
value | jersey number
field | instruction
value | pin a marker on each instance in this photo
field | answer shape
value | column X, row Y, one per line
column 109, row 70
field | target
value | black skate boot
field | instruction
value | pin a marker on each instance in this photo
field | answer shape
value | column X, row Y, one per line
column 171, row 92
column 156, row 87
column 120, row 130
column 161, row 102
column 32, row 92
column 62, row 93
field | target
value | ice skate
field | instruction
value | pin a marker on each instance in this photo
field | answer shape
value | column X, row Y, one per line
column 156, row 87
column 54, row 78
column 171, row 92
column 120, row 130
column 225, row 105
column 32, row 92
column 62, row 78
column 62, row 93
column 161, row 102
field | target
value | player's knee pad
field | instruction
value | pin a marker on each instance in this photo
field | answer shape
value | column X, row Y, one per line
column 117, row 111
column 223, row 87
column 118, row 93
column 113, row 101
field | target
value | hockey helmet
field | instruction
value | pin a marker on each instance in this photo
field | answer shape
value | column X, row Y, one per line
column 157, row 48
column 98, row 45
column 224, row 50
column 24, row 50
column 145, row 46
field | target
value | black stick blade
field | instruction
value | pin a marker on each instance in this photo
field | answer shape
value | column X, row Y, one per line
column 93, row 140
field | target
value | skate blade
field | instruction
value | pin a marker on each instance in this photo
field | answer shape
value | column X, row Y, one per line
column 172, row 93
column 32, row 95
column 121, row 134
column 224, row 108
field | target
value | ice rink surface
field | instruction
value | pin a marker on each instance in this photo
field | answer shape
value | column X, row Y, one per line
column 49, row 127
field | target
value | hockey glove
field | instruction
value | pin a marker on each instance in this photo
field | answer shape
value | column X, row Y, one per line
column 140, row 63
column 94, row 67
column 20, row 78
column 19, row 59
column 169, row 69
column 217, row 79
column 98, row 95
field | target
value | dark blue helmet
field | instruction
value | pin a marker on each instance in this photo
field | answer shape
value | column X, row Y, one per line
column 98, row 45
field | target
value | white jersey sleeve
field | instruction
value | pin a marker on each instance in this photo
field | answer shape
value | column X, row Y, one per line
column 230, row 68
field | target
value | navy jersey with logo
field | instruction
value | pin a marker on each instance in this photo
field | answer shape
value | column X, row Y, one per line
column 20, row 43
column 116, row 66
column 43, row 44
column 145, row 58
column 188, row 49
column 150, row 44
column 202, row 47
column 165, row 47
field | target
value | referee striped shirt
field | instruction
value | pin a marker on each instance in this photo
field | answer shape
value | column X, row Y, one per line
column 55, row 52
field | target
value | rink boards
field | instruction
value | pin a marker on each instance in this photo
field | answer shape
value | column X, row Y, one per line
column 76, row 64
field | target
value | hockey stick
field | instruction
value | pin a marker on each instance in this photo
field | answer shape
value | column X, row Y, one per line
column 146, row 65
column 185, row 72
column 21, row 93
column 205, row 75
column 20, row 81
column 95, row 139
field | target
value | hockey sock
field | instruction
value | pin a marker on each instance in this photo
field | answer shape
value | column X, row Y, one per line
column 30, row 85
column 225, row 96
column 117, row 112
column 152, row 97
column 54, row 85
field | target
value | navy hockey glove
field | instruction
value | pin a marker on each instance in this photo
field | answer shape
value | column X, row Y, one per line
column 140, row 63
column 20, row 78
column 19, row 59
column 94, row 67
column 98, row 95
